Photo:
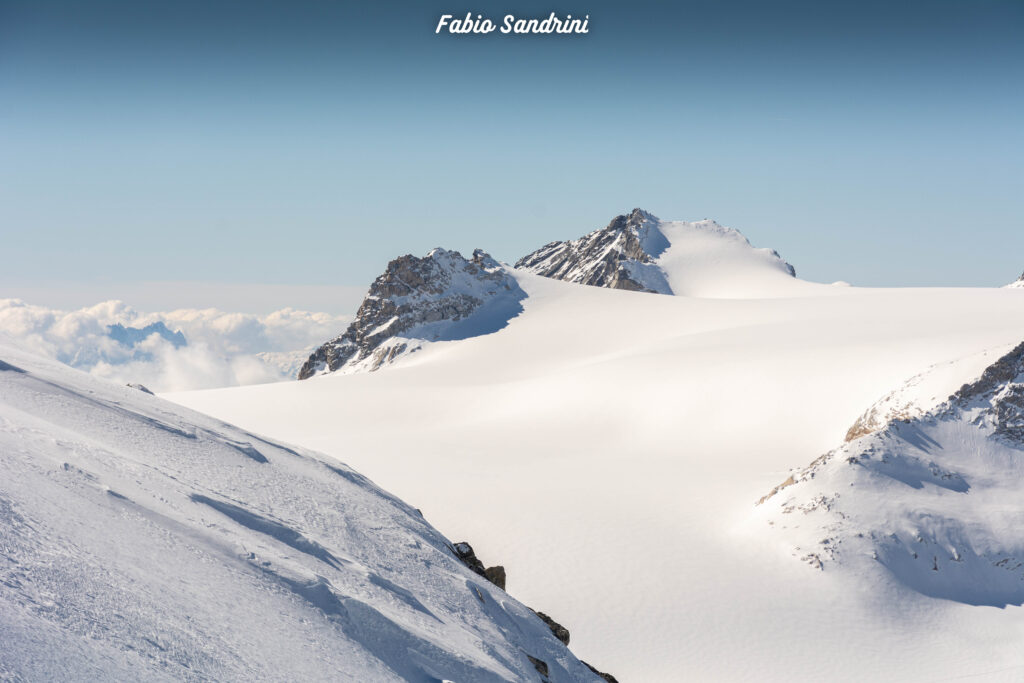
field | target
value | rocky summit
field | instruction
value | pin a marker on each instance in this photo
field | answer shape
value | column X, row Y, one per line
column 639, row 252
column 440, row 297
column 618, row 256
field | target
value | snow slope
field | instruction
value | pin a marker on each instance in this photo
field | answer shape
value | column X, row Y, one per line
column 141, row 541
column 931, row 500
column 608, row 448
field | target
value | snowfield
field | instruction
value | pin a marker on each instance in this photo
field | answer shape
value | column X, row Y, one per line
column 142, row 541
column 608, row 447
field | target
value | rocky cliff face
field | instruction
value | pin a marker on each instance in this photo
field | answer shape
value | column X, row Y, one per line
column 933, row 496
column 619, row 256
column 440, row 297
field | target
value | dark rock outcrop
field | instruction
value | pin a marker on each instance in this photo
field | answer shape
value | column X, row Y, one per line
column 561, row 632
column 607, row 677
column 467, row 555
column 495, row 575
column 539, row 664
column 439, row 297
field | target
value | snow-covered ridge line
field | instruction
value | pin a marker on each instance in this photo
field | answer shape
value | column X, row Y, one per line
column 932, row 496
column 922, row 393
column 145, row 541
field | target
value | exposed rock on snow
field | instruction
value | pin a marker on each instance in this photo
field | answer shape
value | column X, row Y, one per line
column 933, row 495
column 561, row 632
column 495, row 575
column 141, row 541
column 642, row 253
column 440, row 297
column 1019, row 284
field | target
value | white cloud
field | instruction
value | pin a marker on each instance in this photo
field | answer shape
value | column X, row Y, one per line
column 223, row 349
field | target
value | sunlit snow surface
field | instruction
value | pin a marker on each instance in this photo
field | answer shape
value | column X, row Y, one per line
column 608, row 447
column 142, row 541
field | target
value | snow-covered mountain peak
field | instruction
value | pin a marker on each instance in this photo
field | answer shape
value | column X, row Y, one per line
column 932, row 496
column 640, row 252
column 440, row 297
column 619, row 256
column 1018, row 284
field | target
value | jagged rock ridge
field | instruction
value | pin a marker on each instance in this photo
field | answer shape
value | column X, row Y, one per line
column 618, row 256
column 440, row 297
column 629, row 253
column 933, row 496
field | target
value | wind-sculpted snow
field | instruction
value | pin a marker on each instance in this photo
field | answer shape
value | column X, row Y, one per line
column 441, row 297
column 141, row 541
column 933, row 496
column 640, row 252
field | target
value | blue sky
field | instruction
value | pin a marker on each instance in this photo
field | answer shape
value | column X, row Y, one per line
column 307, row 143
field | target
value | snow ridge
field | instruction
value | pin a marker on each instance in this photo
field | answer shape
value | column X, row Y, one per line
column 932, row 496
column 142, row 541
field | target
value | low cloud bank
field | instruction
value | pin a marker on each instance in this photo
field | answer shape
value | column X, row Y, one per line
column 220, row 349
